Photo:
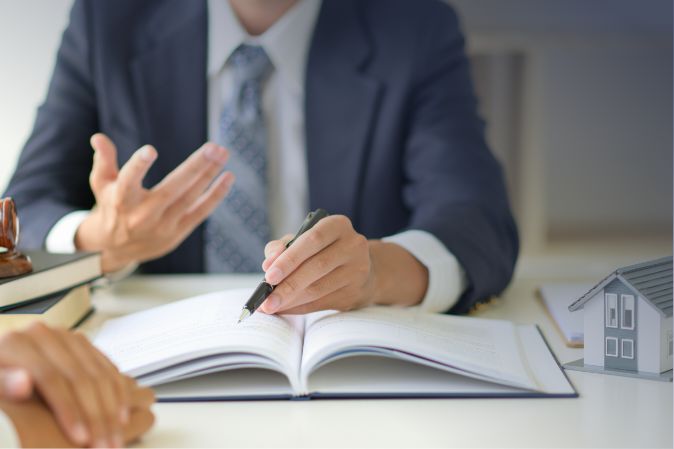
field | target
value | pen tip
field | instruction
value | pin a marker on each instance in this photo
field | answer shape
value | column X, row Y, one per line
column 245, row 313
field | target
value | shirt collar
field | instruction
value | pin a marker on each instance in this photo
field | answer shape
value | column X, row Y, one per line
column 286, row 42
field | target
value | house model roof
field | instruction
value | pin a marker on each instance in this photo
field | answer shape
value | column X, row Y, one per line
column 651, row 280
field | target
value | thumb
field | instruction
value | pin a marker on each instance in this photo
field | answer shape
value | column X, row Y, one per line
column 105, row 168
column 15, row 384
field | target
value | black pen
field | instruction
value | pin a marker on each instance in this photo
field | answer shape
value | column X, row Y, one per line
column 264, row 289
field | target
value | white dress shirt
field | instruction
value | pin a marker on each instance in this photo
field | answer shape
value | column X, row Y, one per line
column 287, row 45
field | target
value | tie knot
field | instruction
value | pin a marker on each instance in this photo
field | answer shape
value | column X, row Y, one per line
column 250, row 62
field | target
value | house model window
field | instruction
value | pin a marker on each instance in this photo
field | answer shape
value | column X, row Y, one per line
column 627, row 348
column 611, row 346
column 611, row 310
column 627, row 312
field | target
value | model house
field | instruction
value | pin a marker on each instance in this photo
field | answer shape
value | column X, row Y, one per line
column 628, row 322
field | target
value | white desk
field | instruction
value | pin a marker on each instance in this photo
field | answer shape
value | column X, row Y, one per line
column 611, row 411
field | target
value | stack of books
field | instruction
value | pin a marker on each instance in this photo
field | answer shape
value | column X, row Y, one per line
column 56, row 292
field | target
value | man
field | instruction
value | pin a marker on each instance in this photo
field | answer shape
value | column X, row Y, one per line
column 362, row 107
column 57, row 390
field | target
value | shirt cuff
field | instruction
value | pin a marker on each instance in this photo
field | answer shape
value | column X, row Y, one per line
column 61, row 239
column 446, row 277
column 8, row 436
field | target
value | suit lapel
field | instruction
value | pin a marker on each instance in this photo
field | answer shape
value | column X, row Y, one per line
column 340, row 102
column 170, row 80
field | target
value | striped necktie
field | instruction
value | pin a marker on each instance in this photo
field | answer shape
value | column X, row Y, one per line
column 238, row 229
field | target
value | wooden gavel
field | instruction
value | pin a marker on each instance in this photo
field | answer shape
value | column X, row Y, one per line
column 12, row 262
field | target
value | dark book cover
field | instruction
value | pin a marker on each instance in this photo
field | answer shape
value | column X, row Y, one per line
column 52, row 273
column 43, row 261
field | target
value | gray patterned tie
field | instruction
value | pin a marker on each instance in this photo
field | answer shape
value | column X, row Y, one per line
column 238, row 229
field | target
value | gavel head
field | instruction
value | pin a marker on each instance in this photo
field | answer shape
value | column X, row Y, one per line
column 9, row 226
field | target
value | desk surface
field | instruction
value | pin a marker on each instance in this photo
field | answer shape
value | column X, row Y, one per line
column 611, row 411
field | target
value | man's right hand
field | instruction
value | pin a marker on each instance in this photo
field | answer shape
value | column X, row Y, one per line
column 131, row 224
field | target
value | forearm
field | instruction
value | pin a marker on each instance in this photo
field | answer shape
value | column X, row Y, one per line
column 400, row 278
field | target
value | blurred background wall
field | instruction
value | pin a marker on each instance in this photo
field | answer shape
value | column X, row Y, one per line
column 577, row 96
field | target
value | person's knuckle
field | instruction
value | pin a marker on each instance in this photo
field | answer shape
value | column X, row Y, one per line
column 289, row 260
column 93, row 180
column 316, row 236
column 358, row 244
column 343, row 221
column 321, row 263
column 39, row 332
column 291, row 286
column 12, row 339
column 314, row 290
column 117, row 201
column 163, row 196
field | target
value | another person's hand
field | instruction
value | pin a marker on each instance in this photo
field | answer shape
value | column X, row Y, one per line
column 59, row 377
column 332, row 266
column 132, row 224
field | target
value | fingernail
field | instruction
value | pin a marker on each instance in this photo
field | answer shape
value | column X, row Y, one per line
column 80, row 434
column 17, row 383
column 101, row 443
column 272, row 303
column 215, row 153
column 274, row 275
column 117, row 441
column 147, row 154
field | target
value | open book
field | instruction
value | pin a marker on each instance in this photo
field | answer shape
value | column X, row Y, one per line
column 194, row 350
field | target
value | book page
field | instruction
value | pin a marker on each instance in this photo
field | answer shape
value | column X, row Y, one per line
column 202, row 331
column 479, row 348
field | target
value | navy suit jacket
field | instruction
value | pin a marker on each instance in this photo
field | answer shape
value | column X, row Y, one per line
column 393, row 138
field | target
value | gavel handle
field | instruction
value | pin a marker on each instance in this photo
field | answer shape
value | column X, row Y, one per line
column 8, row 223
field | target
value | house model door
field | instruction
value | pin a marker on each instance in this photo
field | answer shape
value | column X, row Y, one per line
column 620, row 330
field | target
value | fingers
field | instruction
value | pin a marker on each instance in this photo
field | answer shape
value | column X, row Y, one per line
column 15, row 384
column 138, row 396
column 102, row 404
column 143, row 397
column 140, row 422
column 199, row 185
column 338, row 300
column 131, row 175
column 141, row 418
column 91, row 387
column 176, row 183
column 203, row 207
column 105, row 169
column 311, row 280
column 311, row 242
column 274, row 249
column 17, row 349
column 119, row 383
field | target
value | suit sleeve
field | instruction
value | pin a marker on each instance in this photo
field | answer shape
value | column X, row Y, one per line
column 51, row 178
column 455, row 187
